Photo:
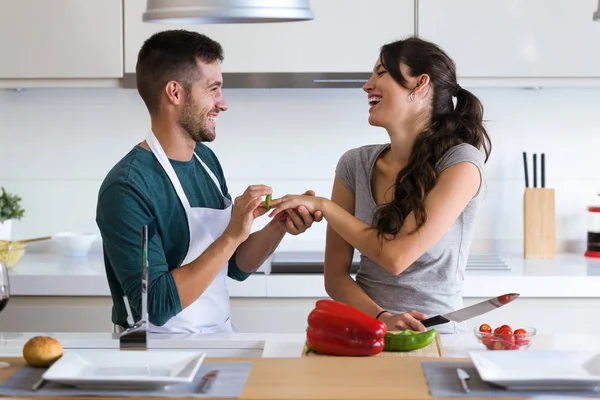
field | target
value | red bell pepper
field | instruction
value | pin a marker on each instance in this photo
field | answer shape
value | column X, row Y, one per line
column 337, row 344
column 338, row 329
column 329, row 314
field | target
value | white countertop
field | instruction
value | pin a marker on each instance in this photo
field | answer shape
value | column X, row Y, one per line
column 568, row 275
column 271, row 345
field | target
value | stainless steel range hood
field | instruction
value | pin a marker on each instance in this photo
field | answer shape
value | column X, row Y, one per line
column 247, row 11
column 282, row 80
column 226, row 11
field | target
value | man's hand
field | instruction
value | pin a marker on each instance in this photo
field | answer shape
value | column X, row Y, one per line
column 410, row 320
column 297, row 220
column 246, row 209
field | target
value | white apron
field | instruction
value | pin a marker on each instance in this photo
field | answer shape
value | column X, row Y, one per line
column 210, row 312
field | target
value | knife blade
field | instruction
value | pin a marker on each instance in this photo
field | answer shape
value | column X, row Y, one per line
column 207, row 380
column 472, row 311
column 41, row 382
column 463, row 376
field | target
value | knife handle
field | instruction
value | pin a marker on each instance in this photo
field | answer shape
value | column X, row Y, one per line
column 437, row 320
column 206, row 384
column 465, row 387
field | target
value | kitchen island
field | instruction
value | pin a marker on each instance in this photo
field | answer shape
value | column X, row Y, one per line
column 268, row 345
column 279, row 372
column 59, row 294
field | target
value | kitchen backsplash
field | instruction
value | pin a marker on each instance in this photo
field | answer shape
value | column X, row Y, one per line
column 56, row 146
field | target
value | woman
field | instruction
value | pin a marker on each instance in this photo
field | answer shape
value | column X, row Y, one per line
column 407, row 206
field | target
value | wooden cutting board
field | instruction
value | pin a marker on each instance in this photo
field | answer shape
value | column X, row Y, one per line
column 433, row 350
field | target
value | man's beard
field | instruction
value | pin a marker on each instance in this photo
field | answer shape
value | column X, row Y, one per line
column 194, row 123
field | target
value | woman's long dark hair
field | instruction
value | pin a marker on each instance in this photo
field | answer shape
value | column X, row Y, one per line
column 447, row 127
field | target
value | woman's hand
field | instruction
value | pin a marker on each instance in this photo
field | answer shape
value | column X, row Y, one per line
column 410, row 320
column 297, row 221
column 291, row 201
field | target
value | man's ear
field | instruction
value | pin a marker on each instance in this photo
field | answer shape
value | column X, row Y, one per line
column 174, row 92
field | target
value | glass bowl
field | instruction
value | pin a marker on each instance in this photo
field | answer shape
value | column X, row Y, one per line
column 11, row 252
column 497, row 341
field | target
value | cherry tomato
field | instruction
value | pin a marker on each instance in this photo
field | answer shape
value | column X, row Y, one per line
column 497, row 345
column 521, row 337
column 487, row 339
column 485, row 328
column 508, row 341
column 497, row 330
column 505, row 330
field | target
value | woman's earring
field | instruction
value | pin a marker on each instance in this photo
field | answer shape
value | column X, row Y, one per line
column 412, row 96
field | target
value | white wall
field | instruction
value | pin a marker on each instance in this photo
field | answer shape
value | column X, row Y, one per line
column 57, row 145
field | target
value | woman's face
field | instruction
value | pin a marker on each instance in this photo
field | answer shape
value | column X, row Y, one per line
column 390, row 103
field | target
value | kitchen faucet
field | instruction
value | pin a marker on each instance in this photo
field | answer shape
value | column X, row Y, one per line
column 135, row 336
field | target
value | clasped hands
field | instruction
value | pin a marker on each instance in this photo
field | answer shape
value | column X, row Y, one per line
column 295, row 213
column 292, row 219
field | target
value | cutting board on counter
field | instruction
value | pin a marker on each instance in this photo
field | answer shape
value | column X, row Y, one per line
column 433, row 350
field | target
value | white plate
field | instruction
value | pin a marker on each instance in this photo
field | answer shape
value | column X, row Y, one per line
column 539, row 369
column 125, row 369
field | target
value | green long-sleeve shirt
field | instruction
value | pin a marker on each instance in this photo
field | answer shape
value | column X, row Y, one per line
column 137, row 192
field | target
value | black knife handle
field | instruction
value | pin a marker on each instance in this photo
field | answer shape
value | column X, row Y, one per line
column 534, row 170
column 437, row 320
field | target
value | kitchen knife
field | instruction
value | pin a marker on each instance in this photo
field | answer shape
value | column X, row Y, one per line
column 543, row 170
column 526, row 170
column 472, row 311
column 534, row 170
column 463, row 377
column 207, row 381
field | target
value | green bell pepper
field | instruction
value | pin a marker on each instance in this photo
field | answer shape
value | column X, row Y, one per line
column 408, row 340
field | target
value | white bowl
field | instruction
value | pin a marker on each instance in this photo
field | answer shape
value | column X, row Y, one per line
column 74, row 244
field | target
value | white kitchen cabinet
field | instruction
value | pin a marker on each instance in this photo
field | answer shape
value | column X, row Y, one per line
column 547, row 315
column 61, row 39
column 527, row 39
column 277, row 315
column 345, row 36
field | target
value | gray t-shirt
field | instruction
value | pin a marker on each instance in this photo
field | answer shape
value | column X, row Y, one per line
column 433, row 283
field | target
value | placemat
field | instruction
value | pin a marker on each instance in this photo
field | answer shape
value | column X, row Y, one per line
column 229, row 384
column 443, row 382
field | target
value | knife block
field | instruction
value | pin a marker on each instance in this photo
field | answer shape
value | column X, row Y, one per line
column 539, row 223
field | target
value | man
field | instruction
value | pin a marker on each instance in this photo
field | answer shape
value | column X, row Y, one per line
column 174, row 184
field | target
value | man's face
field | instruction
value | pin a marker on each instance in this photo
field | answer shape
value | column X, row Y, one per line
column 203, row 103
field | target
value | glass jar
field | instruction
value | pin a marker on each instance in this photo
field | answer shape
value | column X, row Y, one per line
column 593, row 232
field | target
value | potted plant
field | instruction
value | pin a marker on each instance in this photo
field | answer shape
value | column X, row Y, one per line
column 10, row 208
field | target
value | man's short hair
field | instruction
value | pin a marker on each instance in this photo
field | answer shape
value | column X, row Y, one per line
column 172, row 55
